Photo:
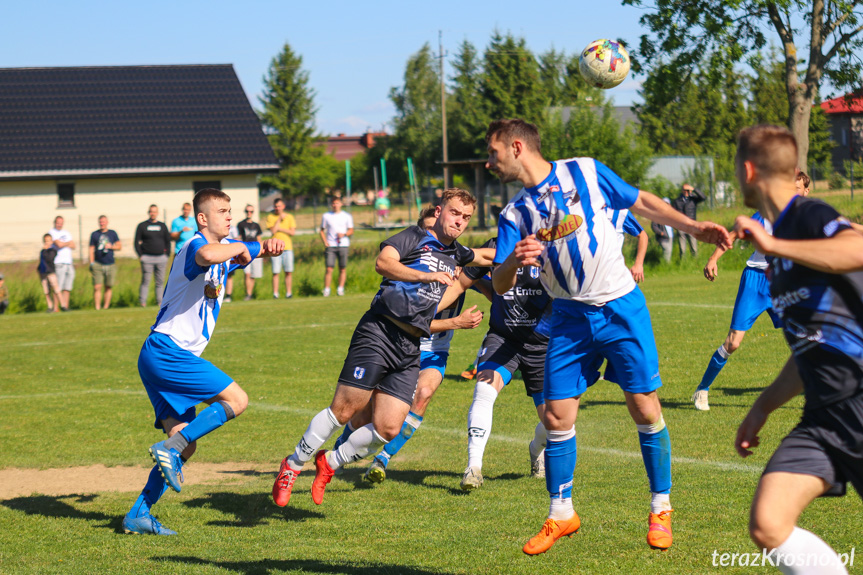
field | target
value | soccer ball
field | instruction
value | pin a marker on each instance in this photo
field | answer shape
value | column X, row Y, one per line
column 604, row 64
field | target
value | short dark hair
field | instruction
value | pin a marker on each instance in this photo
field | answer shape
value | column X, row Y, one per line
column 515, row 129
column 428, row 212
column 465, row 196
column 771, row 149
column 49, row 236
column 278, row 200
column 801, row 175
column 153, row 206
column 206, row 195
column 100, row 217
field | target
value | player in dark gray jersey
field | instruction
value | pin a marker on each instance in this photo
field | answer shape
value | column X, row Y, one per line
column 816, row 287
column 383, row 359
column 512, row 343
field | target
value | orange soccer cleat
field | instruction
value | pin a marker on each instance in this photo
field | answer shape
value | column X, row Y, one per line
column 470, row 372
column 323, row 476
column 551, row 531
column 659, row 532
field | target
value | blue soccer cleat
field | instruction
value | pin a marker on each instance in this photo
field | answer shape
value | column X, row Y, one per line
column 145, row 525
column 169, row 463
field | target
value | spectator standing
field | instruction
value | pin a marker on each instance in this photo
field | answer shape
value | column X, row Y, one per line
column 63, row 263
column 337, row 227
column 664, row 236
column 283, row 226
column 183, row 228
column 47, row 273
column 103, row 242
column 686, row 203
column 382, row 206
column 250, row 231
column 4, row 295
column 152, row 242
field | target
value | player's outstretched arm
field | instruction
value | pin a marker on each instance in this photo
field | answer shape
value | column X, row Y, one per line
column 525, row 253
column 388, row 265
column 468, row 319
column 637, row 269
column 653, row 208
column 786, row 386
column 218, row 253
column 271, row 247
column 711, row 268
column 842, row 253
column 453, row 292
column 483, row 257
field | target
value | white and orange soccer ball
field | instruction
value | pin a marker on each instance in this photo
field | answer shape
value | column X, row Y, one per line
column 604, row 63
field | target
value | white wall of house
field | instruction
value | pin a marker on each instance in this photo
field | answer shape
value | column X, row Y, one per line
column 28, row 208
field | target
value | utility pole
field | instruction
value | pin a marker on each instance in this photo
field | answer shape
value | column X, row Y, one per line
column 447, row 180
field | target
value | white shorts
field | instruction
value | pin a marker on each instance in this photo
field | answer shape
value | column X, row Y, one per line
column 256, row 268
column 65, row 276
column 283, row 262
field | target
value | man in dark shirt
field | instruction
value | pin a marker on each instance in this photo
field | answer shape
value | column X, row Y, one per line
column 250, row 231
column 687, row 204
column 152, row 242
column 816, row 287
column 103, row 243
column 382, row 365
column 512, row 343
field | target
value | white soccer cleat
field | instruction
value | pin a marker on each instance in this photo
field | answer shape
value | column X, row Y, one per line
column 471, row 479
column 700, row 399
column 326, row 292
column 340, row 291
column 537, row 466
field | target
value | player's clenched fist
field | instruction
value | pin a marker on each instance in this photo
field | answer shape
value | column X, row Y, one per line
column 440, row 277
column 272, row 247
column 527, row 251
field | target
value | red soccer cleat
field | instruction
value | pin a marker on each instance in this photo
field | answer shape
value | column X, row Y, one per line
column 284, row 484
column 323, row 476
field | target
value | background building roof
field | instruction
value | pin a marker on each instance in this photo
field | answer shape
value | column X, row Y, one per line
column 841, row 105
column 127, row 119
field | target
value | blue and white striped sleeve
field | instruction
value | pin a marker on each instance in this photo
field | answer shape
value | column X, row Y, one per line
column 619, row 194
column 508, row 234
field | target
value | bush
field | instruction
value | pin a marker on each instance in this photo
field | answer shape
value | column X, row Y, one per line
column 836, row 182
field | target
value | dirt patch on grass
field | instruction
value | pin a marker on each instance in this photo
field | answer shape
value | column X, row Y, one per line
column 98, row 478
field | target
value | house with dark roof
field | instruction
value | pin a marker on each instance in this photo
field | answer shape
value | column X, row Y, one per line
column 86, row 141
column 343, row 147
column 846, row 128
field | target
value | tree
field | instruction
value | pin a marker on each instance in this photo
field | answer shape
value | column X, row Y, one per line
column 418, row 119
column 467, row 118
column 511, row 76
column 769, row 101
column 288, row 117
column 683, row 30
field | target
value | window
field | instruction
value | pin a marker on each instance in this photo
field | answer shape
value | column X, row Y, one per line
column 198, row 186
column 66, row 195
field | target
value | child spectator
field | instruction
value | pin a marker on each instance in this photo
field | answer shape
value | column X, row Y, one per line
column 48, row 274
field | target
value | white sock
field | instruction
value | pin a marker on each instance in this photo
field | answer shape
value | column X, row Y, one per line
column 807, row 554
column 660, row 502
column 363, row 442
column 321, row 428
column 560, row 508
column 479, row 419
column 540, row 438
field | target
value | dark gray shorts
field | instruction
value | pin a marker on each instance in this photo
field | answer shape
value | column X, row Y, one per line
column 338, row 252
column 828, row 445
column 383, row 357
column 501, row 355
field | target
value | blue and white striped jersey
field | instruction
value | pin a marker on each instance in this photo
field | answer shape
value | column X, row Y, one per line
column 758, row 260
column 581, row 259
column 439, row 342
column 193, row 296
column 624, row 223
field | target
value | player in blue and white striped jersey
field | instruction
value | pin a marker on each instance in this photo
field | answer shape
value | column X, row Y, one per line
column 175, row 376
column 558, row 223
column 753, row 299
column 625, row 223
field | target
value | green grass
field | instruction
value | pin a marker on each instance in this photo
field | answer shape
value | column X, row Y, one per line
column 71, row 396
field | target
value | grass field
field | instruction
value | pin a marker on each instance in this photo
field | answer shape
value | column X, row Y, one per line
column 71, row 397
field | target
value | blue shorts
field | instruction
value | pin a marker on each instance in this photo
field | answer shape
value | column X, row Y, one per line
column 582, row 336
column 434, row 360
column 177, row 380
column 753, row 299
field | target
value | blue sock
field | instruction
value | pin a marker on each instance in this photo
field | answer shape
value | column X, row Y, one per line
column 346, row 433
column 412, row 422
column 153, row 490
column 560, row 458
column 209, row 419
column 656, row 453
column 717, row 362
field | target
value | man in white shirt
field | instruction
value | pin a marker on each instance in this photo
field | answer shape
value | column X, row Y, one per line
column 336, row 228
column 63, row 262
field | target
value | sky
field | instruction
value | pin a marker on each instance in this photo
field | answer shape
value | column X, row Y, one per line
column 354, row 51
